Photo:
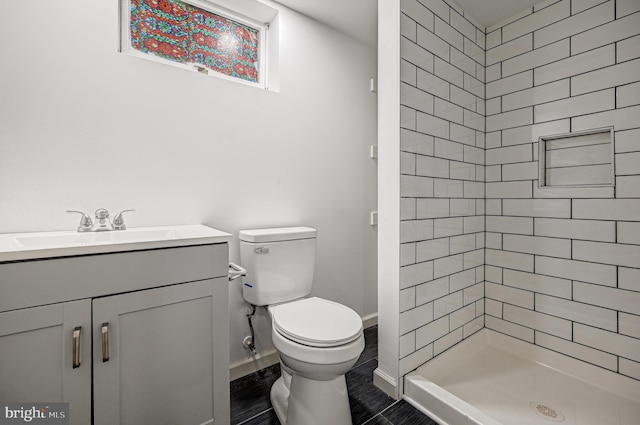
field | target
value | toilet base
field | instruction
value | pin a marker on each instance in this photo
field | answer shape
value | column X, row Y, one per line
column 311, row 402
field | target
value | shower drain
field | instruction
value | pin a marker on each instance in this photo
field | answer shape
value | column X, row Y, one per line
column 546, row 411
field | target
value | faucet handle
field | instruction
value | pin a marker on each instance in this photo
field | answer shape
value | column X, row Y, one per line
column 85, row 221
column 118, row 220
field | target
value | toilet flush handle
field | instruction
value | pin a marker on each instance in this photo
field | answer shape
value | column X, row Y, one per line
column 235, row 271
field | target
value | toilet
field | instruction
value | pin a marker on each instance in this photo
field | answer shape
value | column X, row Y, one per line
column 318, row 340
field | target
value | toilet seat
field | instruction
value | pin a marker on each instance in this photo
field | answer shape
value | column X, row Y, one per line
column 317, row 322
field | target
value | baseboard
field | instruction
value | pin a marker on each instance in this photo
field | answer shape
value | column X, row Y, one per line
column 386, row 383
column 253, row 364
column 270, row 357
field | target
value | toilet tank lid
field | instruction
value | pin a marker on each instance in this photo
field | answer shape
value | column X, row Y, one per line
column 277, row 234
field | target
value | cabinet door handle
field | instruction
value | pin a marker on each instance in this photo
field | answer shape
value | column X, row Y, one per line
column 76, row 347
column 105, row 342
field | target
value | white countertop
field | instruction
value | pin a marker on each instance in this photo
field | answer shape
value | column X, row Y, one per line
column 28, row 246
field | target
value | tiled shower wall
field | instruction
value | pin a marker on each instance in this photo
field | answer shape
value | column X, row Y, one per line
column 563, row 264
column 442, row 179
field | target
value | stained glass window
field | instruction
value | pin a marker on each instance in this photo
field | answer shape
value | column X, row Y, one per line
column 186, row 34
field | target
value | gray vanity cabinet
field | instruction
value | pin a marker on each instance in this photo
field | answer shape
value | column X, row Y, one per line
column 156, row 322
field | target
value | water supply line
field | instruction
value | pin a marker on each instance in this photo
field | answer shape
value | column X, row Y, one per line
column 249, row 341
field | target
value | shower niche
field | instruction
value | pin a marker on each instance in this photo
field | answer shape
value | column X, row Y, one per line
column 577, row 159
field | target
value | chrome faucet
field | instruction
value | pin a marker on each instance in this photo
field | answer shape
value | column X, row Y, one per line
column 102, row 222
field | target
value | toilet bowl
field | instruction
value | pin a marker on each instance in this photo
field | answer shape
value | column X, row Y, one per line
column 318, row 340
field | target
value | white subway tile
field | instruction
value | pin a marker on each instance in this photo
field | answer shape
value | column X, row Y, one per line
column 577, row 105
column 444, row 188
column 416, row 55
column 475, row 325
column 449, row 34
column 431, row 42
column 536, row 58
column 473, row 189
column 536, row 95
column 493, row 274
column 607, row 341
column 628, row 163
column 629, row 368
column 448, row 111
column 447, row 265
column 450, row 150
column 509, row 328
column 474, row 224
column 462, row 171
column 537, row 207
column 407, row 163
column 592, row 230
column 447, row 341
column 418, row 13
column 432, row 331
column 415, row 318
column 509, row 49
column 473, row 155
column 537, row 20
column 463, row 98
column 629, row 279
column 407, row 344
column 493, row 140
column 575, row 24
column 415, row 98
column 430, row 291
column 626, row 7
column 494, row 106
column 620, row 119
column 510, row 84
column 517, row 225
column 407, row 118
column 628, row 187
column 416, row 186
column 538, row 283
column 612, row 76
column 462, row 134
column 509, row 295
column 416, row 230
column 407, row 254
column 578, row 64
column 438, row 7
column 607, row 209
column 494, row 173
column 407, row 299
column 473, row 85
column 628, row 49
column 447, row 227
column 539, row 321
column 605, row 34
column 510, row 119
column 462, row 243
column 462, row 207
column 462, row 316
column 579, row 351
column 408, row 72
column 520, row 171
column 446, row 305
column 494, row 38
column 444, row 70
column 415, row 359
column 577, row 312
column 462, row 280
column 493, row 72
column 607, row 253
column 473, row 120
column 627, row 141
column 608, row 297
column 481, row 37
column 408, row 27
column 416, row 274
column 629, row 233
column 431, row 249
column 629, row 325
column 517, row 189
column 494, row 240
column 578, row 6
column 473, row 259
column 408, row 209
column 432, row 167
column 462, row 25
column 510, row 19
column 553, row 247
column 511, row 260
column 431, row 125
column 411, row 141
column 573, row 192
column 493, row 308
column 474, row 51
column 576, row 270
column 434, row 85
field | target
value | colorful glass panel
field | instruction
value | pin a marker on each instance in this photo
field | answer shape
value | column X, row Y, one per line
column 187, row 34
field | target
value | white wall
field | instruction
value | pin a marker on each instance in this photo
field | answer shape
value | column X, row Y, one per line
column 83, row 126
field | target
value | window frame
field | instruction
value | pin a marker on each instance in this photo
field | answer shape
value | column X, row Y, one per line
column 263, row 31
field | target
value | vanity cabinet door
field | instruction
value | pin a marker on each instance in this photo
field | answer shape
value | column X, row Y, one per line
column 153, row 355
column 38, row 352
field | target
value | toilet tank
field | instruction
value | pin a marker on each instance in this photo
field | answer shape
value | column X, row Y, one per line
column 279, row 262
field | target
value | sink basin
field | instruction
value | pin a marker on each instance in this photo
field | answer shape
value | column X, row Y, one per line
column 22, row 246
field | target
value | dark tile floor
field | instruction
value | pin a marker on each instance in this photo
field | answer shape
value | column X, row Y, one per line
column 250, row 403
